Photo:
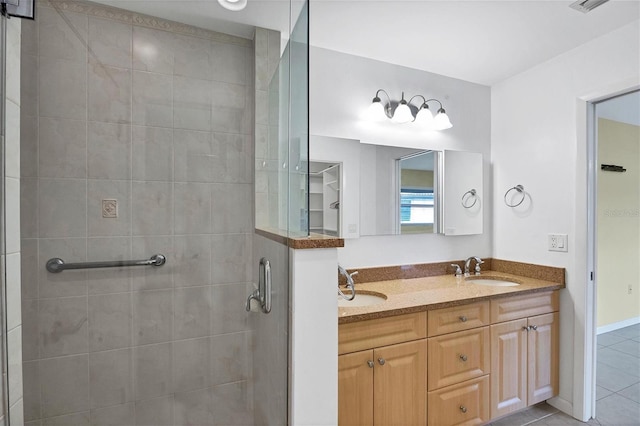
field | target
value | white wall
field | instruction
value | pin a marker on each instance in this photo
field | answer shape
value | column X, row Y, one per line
column 538, row 132
column 314, row 337
column 342, row 87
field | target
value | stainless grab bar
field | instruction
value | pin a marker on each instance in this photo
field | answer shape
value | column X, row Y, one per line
column 56, row 264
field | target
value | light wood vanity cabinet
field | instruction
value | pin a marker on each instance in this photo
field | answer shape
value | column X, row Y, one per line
column 383, row 384
column 524, row 352
column 463, row 365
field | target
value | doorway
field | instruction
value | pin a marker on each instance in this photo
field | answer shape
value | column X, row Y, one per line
column 615, row 233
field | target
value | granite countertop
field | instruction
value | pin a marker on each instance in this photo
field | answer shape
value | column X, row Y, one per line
column 421, row 294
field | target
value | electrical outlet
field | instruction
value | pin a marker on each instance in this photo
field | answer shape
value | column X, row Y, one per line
column 557, row 242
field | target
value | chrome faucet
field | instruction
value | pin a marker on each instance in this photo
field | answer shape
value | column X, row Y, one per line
column 467, row 264
column 350, row 283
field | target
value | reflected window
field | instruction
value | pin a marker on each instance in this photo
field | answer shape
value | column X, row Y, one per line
column 416, row 207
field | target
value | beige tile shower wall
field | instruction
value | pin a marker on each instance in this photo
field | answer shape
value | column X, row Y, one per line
column 158, row 116
column 11, row 259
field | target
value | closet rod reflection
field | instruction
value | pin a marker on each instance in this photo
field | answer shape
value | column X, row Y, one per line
column 58, row 265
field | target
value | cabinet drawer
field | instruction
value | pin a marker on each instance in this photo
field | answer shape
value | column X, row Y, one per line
column 458, row 318
column 517, row 307
column 361, row 335
column 466, row 403
column 456, row 357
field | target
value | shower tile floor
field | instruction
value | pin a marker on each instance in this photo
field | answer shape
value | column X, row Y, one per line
column 617, row 387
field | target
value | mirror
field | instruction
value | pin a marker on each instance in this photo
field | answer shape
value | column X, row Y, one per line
column 324, row 197
column 390, row 190
column 462, row 193
column 384, row 172
column 416, row 195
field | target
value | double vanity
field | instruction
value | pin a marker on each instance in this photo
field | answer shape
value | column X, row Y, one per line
column 448, row 350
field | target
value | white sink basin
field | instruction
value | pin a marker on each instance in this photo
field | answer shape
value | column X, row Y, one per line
column 362, row 299
column 495, row 282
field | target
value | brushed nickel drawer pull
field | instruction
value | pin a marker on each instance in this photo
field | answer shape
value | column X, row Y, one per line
column 370, row 364
column 463, row 357
column 534, row 327
column 463, row 318
column 463, row 408
column 525, row 328
column 381, row 361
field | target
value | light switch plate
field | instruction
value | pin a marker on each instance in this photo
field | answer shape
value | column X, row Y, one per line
column 557, row 242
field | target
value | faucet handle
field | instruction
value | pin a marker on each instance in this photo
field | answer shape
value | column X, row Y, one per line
column 478, row 263
column 458, row 272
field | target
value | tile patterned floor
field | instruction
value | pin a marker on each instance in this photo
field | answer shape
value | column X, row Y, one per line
column 617, row 387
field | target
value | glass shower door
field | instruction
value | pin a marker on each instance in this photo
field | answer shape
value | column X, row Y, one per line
column 137, row 139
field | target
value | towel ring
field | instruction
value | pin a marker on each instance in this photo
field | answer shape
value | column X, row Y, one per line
column 518, row 188
column 472, row 194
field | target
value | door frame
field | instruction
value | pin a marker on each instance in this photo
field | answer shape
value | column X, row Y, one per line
column 586, row 193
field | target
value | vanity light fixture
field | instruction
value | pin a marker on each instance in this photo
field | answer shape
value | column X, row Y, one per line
column 233, row 5
column 379, row 111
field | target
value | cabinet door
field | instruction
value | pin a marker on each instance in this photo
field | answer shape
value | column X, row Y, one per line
column 355, row 389
column 400, row 384
column 508, row 367
column 543, row 357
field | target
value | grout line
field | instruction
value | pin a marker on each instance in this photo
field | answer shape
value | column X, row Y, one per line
column 541, row 418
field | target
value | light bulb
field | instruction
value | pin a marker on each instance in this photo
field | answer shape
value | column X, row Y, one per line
column 234, row 5
column 424, row 118
column 441, row 120
column 375, row 112
column 402, row 114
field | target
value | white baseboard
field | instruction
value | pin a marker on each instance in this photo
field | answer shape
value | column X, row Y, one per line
column 561, row 404
column 618, row 325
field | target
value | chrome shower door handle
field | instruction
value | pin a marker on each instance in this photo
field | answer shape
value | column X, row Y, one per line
column 263, row 293
column 265, row 284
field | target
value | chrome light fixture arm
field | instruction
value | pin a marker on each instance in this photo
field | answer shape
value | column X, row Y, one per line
column 387, row 106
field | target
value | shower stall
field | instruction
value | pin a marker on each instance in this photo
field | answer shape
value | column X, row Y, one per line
column 134, row 138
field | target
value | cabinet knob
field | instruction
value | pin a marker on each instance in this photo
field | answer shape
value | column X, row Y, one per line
column 463, row 357
column 370, row 364
column 381, row 361
column 525, row 328
column 463, row 318
column 533, row 327
column 463, row 408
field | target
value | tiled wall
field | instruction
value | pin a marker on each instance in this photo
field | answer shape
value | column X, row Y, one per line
column 159, row 116
column 11, row 259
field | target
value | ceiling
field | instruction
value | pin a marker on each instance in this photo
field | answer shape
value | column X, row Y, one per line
column 479, row 41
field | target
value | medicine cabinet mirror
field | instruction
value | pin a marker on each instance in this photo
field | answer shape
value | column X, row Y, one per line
column 389, row 190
